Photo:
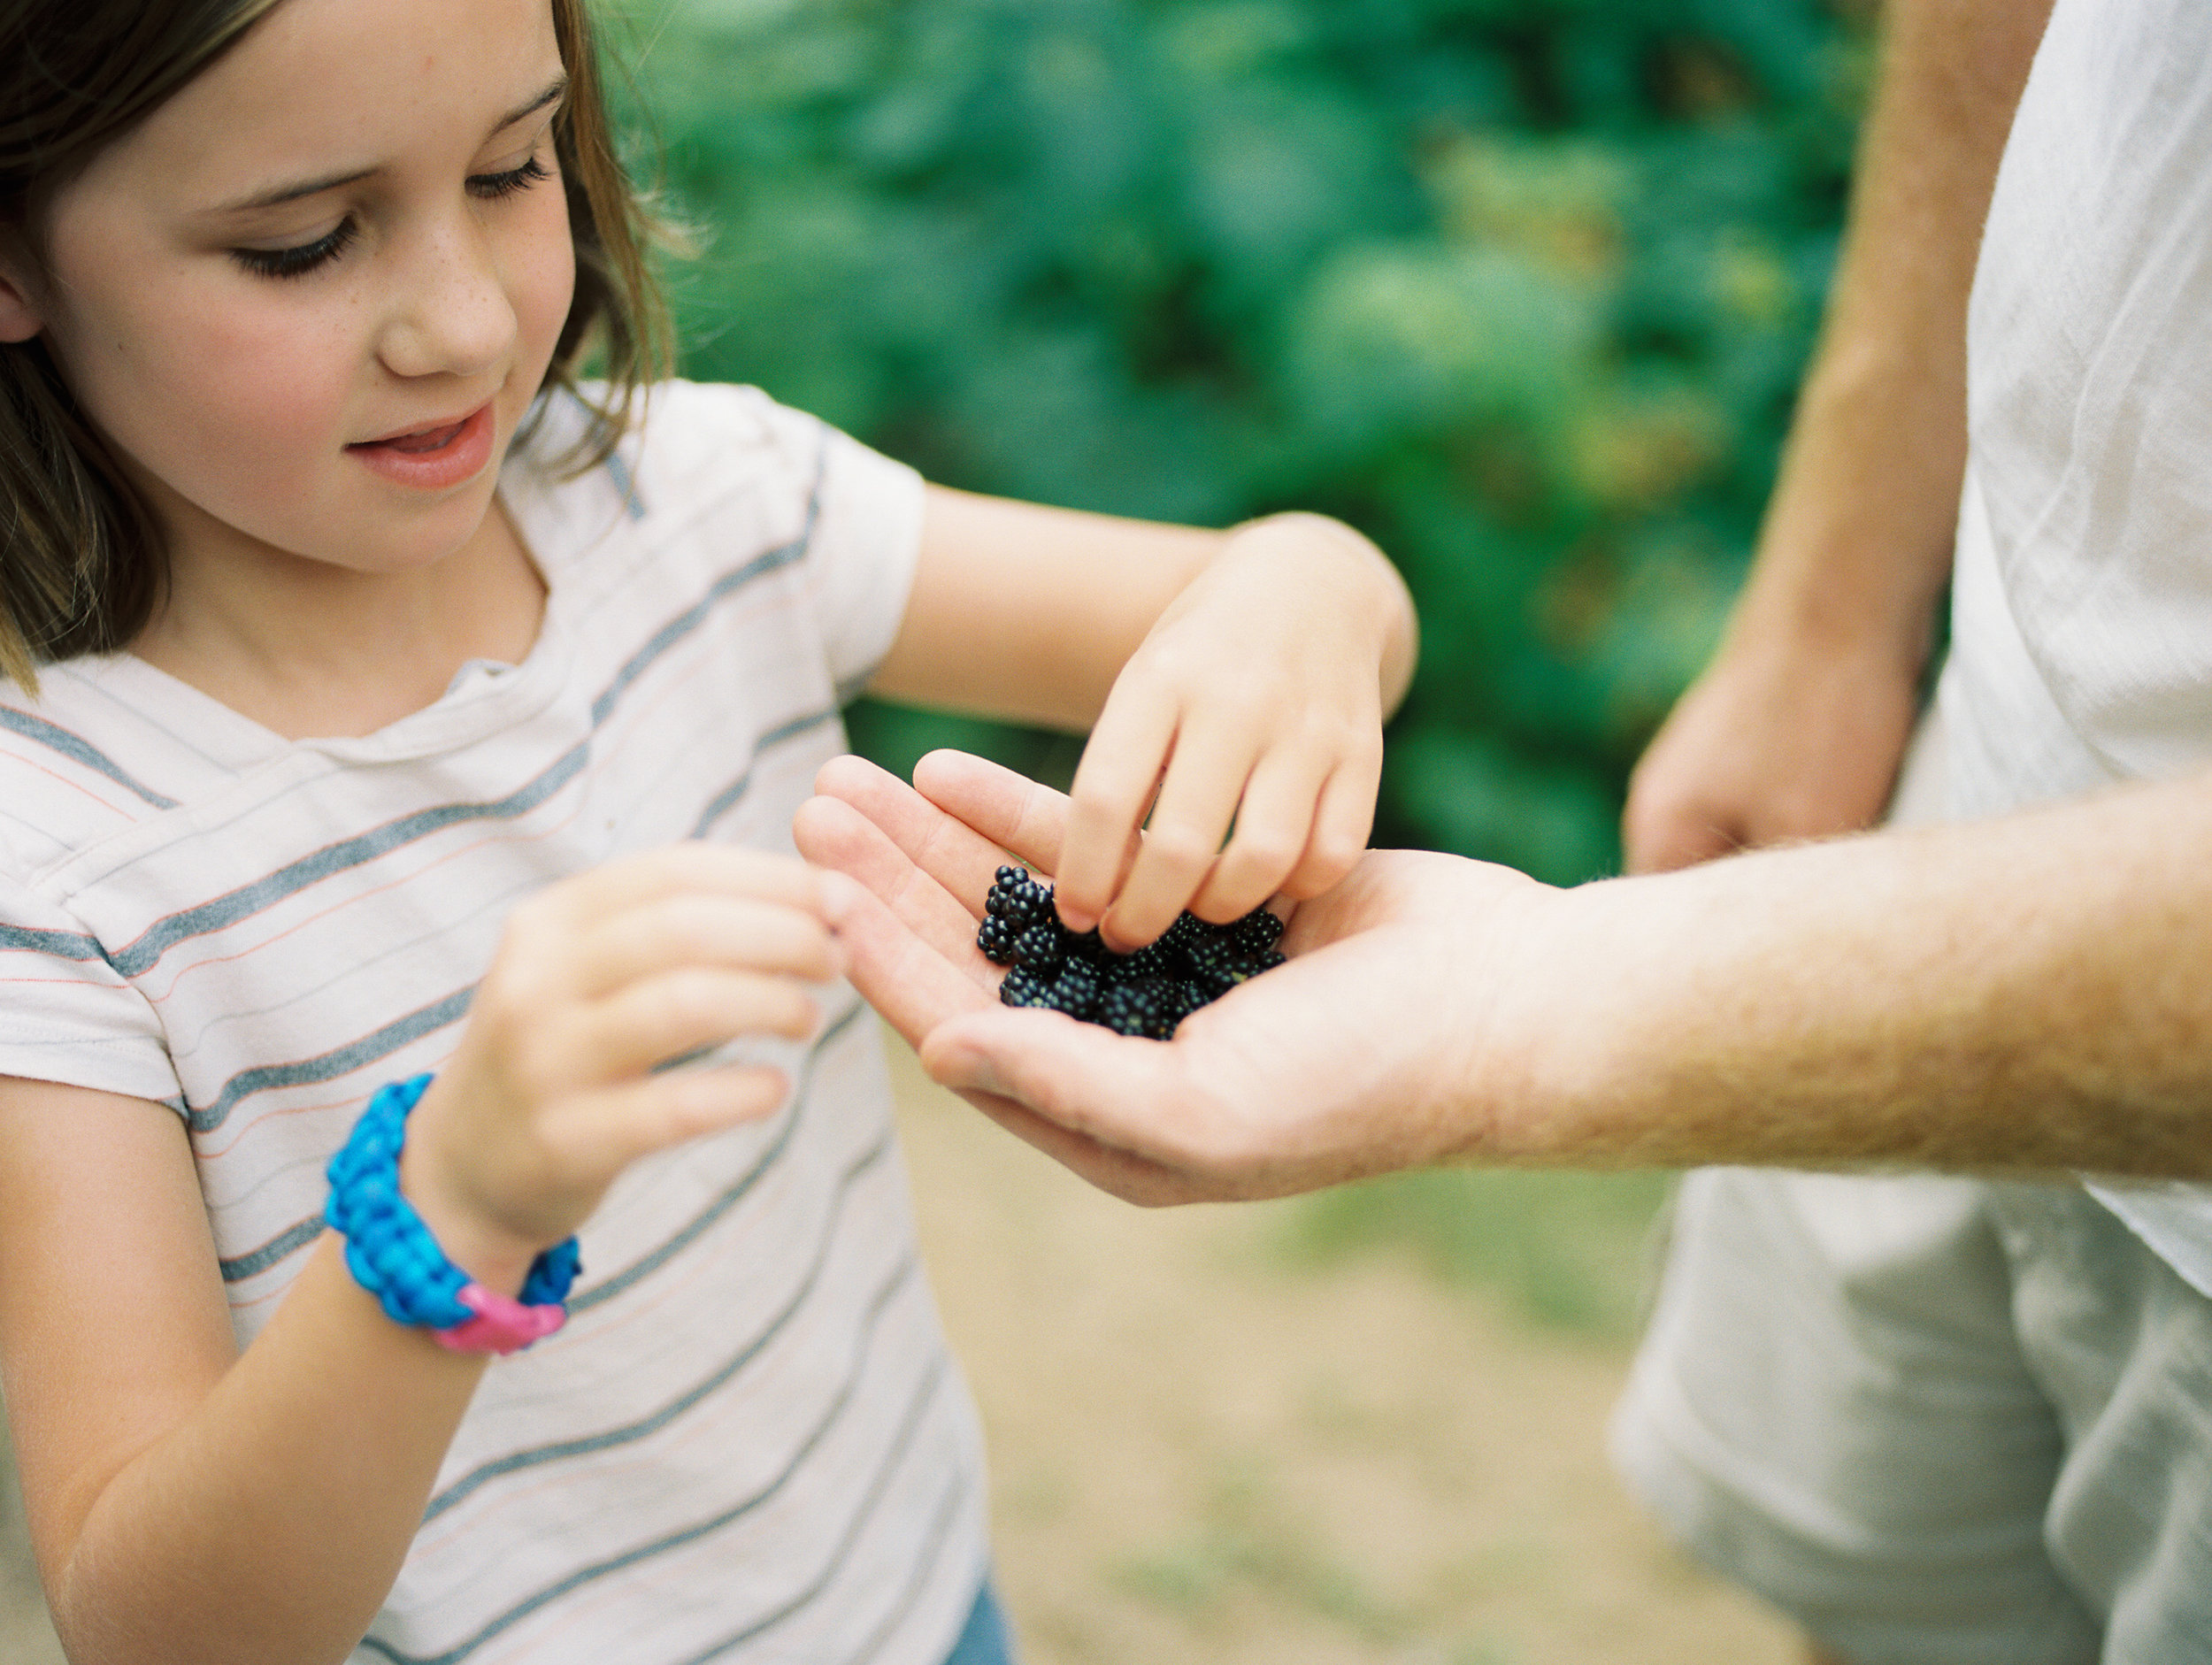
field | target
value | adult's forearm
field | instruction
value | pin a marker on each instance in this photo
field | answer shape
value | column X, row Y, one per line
column 1859, row 531
column 2029, row 994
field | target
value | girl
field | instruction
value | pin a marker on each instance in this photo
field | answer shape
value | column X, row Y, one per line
column 385, row 705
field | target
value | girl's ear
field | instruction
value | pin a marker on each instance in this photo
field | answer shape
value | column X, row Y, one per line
column 20, row 315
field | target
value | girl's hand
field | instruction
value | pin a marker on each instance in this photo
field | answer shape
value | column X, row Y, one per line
column 553, row 1091
column 1254, row 704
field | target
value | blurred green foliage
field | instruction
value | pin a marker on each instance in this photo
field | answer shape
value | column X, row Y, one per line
column 1520, row 287
column 1567, row 1251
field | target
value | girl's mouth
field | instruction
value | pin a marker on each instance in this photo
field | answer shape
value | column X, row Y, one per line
column 433, row 458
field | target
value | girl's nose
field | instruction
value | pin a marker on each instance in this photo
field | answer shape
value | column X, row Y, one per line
column 453, row 315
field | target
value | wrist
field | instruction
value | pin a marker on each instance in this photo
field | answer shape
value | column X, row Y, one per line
column 495, row 1258
column 395, row 1256
column 1581, row 1044
column 1363, row 592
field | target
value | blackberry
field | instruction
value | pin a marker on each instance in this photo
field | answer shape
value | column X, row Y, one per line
column 1218, row 962
column 1126, row 1009
column 1016, row 898
column 1148, row 992
column 996, row 938
column 1257, row 933
column 1075, row 991
column 1155, row 959
column 1042, row 946
column 1189, row 928
column 1187, row 997
column 1024, row 988
column 1162, row 1008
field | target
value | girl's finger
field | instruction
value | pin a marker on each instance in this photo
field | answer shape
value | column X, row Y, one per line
column 658, row 1019
column 1275, row 822
column 1341, row 823
column 1122, row 765
column 674, row 869
column 598, row 1134
column 690, row 928
column 1197, row 802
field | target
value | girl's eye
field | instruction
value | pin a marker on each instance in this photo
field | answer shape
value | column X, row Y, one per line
column 521, row 178
column 302, row 259
column 305, row 258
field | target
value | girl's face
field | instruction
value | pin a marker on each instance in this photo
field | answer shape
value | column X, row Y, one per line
column 309, row 299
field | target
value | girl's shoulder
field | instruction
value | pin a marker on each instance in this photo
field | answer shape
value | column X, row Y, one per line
column 704, row 469
column 682, row 441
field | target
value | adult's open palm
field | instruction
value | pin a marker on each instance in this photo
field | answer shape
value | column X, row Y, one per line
column 1354, row 1057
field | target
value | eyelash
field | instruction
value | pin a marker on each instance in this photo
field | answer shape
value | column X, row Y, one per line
column 299, row 261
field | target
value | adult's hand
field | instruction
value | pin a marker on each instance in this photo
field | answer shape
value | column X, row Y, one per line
column 1354, row 1058
column 2021, row 995
column 1776, row 741
column 1797, row 729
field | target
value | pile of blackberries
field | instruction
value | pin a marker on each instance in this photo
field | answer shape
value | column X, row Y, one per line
column 1146, row 993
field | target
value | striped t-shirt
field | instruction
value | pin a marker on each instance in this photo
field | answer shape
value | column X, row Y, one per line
column 749, row 1443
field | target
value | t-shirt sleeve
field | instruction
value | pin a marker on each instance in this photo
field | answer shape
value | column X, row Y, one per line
column 66, row 1014
column 862, row 540
column 853, row 517
column 861, row 554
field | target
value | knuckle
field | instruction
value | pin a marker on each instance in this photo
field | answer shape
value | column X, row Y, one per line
column 788, row 1009
column 1258, row 858
column 1178, row 846
column 689, row 1001
column 1093, row 805
column 1334, row 855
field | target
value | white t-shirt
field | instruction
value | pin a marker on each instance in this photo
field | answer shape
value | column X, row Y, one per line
column 750, row 1442
column 2082, row 606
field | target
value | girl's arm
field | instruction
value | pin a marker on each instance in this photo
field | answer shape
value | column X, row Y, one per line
column 186, row 1502
column 1236, row 676
column 190, row 1502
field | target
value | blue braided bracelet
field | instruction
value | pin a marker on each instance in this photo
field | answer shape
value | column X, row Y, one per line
column 393, row 1255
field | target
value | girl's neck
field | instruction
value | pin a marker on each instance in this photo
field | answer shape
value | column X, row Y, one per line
column 308, row 649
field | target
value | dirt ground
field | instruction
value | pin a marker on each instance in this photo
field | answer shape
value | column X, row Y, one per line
column 1203, row 1453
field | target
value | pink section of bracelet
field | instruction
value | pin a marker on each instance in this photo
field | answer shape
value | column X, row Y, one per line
column 502, row 1325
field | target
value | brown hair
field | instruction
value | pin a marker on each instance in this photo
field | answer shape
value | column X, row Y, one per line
column 82, row 560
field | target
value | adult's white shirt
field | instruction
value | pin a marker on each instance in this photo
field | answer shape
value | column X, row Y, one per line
column 2082, row 607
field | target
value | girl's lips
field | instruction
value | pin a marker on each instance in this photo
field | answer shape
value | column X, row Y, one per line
column 432, row 459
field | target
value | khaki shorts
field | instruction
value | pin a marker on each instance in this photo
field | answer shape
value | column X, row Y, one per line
column 1933, row 1419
